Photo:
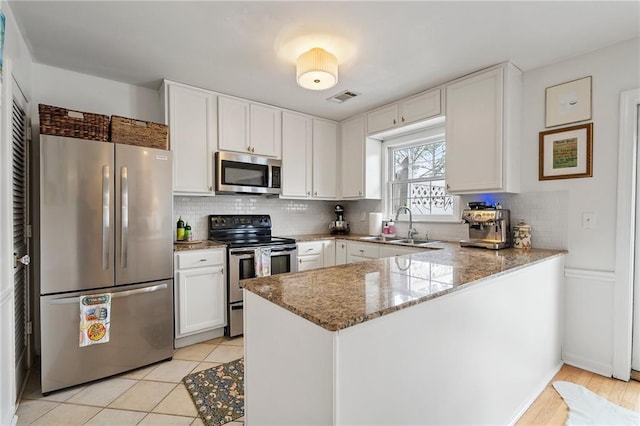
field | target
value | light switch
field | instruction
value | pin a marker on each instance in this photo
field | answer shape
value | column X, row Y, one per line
column 588, row 220
column 363, row 216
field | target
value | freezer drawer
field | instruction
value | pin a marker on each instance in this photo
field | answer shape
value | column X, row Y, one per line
column 141, row 333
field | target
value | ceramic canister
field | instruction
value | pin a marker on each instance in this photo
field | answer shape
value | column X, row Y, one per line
column 522, row 235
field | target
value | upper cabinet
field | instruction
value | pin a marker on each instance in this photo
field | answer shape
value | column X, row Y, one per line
column 361, row 161
column 325, row 146
column 297, row 139
column 410, row 110
column 248, row 127
column 190, row 114
column 483, row 115
column 309, row 157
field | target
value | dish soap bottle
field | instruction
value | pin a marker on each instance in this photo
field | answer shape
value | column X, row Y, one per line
column 188, row 236
column 392, row 228
column 180, row 233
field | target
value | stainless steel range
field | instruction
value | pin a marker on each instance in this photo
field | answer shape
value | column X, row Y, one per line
column 243, row 234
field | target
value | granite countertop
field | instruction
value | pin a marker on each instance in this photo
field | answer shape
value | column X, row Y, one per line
column 197, row 245
column 342, row 296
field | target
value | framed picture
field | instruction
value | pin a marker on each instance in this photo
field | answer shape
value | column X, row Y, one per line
column 568, row 102
column 566, row 153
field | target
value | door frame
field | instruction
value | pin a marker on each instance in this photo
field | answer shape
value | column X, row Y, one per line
column 625, row 240
column 8, row 389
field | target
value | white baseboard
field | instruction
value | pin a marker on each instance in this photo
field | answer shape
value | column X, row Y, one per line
column 603, row 369
column 536, row 393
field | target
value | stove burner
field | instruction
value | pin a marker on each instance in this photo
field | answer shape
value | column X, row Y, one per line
column 244, row 231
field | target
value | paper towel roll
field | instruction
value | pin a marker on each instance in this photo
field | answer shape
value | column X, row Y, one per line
column 375, row 224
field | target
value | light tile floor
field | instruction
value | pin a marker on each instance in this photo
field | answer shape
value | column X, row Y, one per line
column 151, row 395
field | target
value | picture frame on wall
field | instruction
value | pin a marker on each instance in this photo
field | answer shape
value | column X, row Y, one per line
column 566, row 153
column 568, row 103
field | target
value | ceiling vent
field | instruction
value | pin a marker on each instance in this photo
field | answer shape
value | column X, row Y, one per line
column 343, row 96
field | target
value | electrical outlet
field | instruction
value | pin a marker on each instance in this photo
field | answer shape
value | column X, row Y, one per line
column 363, row 216
column 588, row 220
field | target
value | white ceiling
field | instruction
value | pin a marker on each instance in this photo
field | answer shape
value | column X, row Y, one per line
column 386, row 49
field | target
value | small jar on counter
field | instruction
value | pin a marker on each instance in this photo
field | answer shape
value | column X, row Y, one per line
column 522, row 235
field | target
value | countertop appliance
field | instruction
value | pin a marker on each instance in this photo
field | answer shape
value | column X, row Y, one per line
column 104, row 225
column 489, row 226
column 245, row 173
column 244, row 234
column 339, row 226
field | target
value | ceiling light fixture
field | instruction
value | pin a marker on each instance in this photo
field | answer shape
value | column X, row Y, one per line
column 317, row 69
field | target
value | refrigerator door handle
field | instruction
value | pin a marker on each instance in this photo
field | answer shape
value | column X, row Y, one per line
column 124, row 201
column 76, row 299
column 105, row 217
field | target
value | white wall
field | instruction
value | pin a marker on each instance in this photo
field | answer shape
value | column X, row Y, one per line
column 591, row 261
column 68, row 89
column 17, row 61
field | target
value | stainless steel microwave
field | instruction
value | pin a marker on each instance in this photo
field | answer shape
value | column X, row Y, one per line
column 242, row 173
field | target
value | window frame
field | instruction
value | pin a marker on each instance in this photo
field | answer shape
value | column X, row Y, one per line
column 433, row 134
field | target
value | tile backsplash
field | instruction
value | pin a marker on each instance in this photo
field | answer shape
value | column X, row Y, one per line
column 545, row 211
column 289, row 217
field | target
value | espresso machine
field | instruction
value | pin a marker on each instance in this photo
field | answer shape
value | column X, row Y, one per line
column 339, row 226
column 489, row 226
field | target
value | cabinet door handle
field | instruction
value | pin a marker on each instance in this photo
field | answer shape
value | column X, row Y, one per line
column 248, row 149
column 308, row 192
column 359, row 192
column 403, row 119
column 299, row 260
column 315, row 193
column 203, row 260
column 394, row 121
column 361, row 251
column 448, row 187
column 210, row 188
column 253, row 149
column 222, row 271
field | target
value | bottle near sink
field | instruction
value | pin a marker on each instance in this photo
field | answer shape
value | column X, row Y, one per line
column 388, row 229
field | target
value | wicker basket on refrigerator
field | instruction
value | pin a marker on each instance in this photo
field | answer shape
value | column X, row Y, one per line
column 141, row 133
column 60, row 121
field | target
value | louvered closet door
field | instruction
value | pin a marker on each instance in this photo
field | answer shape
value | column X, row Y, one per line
column 20, row 246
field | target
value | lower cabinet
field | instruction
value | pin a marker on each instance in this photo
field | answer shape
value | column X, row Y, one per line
column 316, row 254
column 358, row 252
column 200, row 294
column 341, row 252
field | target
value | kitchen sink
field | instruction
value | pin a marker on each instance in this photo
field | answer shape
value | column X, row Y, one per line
column 374, row 239
column 412, row 241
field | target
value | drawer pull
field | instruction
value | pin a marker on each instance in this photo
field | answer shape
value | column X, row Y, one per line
column 361, row 251
column 203, row 260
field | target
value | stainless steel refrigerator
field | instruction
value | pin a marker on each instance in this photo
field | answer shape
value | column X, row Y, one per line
column 105, row 225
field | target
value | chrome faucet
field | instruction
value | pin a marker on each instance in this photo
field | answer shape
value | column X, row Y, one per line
column 412, row 230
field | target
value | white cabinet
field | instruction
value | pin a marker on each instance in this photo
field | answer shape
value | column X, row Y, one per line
column 310, row 255
column 341, row 252
column 316, row 254
column 249, row 127
column 325, row 145
column 297, row 139
column 200, row 283
column 309, row 157
column 190, row 114
column 361, row 161
column 410, row 110
column 483, row 114
column 329, row 252
column 357, row 252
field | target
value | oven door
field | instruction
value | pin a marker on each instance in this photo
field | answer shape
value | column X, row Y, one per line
column 242, row 266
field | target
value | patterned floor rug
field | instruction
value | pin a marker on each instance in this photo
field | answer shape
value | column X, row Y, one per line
column 218, row 392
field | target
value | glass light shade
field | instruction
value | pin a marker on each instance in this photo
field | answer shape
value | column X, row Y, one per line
column 317, row 69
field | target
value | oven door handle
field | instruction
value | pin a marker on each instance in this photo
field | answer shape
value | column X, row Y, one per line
column 250, row 252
